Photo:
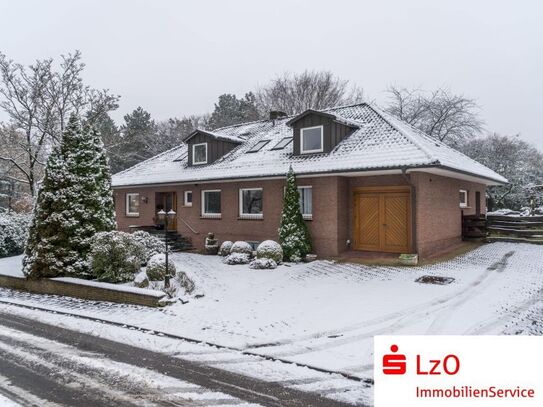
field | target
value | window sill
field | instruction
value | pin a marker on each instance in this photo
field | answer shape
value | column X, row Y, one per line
column 251, row 217
column 307, row 217
column 132, row 215
column 211, row 216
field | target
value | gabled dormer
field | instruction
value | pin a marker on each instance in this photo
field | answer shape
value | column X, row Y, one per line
column 206, row 147
column 317, row 132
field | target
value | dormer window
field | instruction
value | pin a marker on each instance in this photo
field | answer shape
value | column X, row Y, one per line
column 311, row 140
column 199, row 153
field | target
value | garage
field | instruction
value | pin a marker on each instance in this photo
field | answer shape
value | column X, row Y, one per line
column 382, row 219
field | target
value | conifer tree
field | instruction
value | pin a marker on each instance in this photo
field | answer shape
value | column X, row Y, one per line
column 74, row 202
column 293, row 233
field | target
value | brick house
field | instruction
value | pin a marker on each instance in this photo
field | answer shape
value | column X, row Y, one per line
column 367, row 181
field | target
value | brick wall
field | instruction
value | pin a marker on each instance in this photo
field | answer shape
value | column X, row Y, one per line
column 65, row 288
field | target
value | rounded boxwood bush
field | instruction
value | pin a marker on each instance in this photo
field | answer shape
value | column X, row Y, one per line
column 224, row 250
column 156, row 267
column 115, row 256
column 152, row 244
column 237, row 258
column 263, row 263
column 269, row 249
column 242, row 247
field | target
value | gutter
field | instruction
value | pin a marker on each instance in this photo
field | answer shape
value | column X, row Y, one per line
column 311, row 174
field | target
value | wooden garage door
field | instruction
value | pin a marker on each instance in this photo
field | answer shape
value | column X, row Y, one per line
column 382, row 221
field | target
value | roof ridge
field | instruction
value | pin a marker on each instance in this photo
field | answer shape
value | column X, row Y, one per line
column 390, row 119
column 345, row 106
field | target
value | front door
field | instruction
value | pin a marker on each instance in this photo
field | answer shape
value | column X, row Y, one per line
column 166, row 201
column 382, row 219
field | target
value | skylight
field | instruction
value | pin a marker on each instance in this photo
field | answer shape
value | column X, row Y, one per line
column 258, row 146
column 181, row 157
column 282, row 144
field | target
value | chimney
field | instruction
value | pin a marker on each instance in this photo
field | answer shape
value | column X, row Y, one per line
column 276, row 114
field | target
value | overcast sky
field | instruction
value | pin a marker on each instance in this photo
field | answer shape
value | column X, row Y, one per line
column 175, row 57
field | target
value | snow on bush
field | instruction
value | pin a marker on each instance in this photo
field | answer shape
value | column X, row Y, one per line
column 269, row 249
column 263, row 263
column 156, row 267
column 153, row 245
column 13, row 232
column 237, row 258
column 115, row 256
column 185, row 282
column 224, row 250
column 141, row 280
column 242, row 247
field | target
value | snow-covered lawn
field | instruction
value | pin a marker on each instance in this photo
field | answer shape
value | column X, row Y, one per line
column 325, row 314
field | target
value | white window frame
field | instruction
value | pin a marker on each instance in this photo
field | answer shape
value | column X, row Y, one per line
column 185, row 202
column 307, row 216
column 302, row 151
column 128, row 195
column 250, row 215
column 466, row 200
column 209, row 215
column 194, row 162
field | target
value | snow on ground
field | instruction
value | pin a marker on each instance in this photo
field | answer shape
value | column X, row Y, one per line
column 325, row 314
column 95, row 373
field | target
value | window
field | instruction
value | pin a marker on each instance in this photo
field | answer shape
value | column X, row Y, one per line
column 463, row 198
column 258, row 146
column 250, row 203
column 282, row 144
column 188, row 198
column 133, row 204
column 306, row 202
column 211, row 204
column 199, row 153
column 311, row 140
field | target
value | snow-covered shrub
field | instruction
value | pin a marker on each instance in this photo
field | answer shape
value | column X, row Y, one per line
column 242, row 247
column 13, row 232
column 224, row 250
column 115, row 256
column 141, row 280
column 156, row 267
column 237, row 258
column 184, row 281
column 152, row 244
column 263, row 263
column 269, row 249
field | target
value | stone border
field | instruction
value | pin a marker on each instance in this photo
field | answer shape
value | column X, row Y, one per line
column 95, row 291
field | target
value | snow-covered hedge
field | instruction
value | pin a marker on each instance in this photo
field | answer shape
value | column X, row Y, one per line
column 269, row 249
column 224, row 250
column 263, row 263
column 237, row 258
column 242, row 247
column 152, row 244
column 13, row 232
column 156, row 267
column 115, row 256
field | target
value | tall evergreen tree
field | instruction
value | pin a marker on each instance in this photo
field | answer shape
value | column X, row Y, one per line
column 293, row 233
column 230, row 110
column 74, row 202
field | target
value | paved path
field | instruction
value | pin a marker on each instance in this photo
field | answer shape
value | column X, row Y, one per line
column 43, row 364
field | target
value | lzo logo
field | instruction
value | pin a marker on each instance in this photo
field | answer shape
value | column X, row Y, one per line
column 396, row 364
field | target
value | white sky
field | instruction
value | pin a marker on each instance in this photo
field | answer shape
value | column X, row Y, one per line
column 175, row 57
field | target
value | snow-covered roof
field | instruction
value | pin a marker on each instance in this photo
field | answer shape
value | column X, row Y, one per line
column 380, row 142
column 218, row 136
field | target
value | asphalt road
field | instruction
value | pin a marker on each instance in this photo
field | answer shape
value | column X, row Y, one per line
column 42, row 363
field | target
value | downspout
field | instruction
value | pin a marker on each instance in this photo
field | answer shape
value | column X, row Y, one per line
column 413, row 209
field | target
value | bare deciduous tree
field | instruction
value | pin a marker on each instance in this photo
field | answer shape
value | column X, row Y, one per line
column 294, row 93
column 38, row 100
column 520, row 162
column 450, row 118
